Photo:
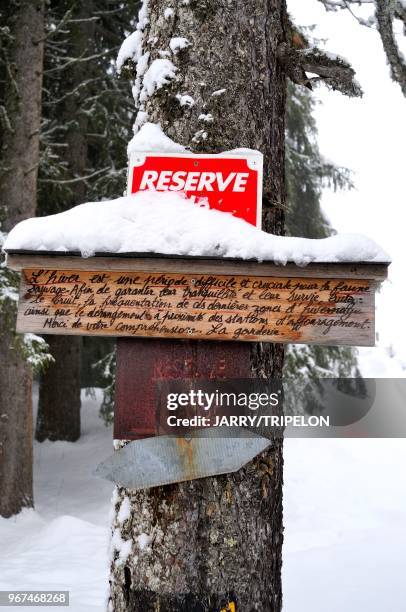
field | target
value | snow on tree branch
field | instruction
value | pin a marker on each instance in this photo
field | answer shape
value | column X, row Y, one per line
column 336, row 5
column 384, row 18
column 34, row 349
column 332, row 70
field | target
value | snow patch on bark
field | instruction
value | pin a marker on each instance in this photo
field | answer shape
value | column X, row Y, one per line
column 130, row 49
column 206, row 117
column 185, row 100
column 199, row 136
column 152, row 138
column 144, row 540
column 125, row 511
column 218, row 92
column 140, row 120
column 177, row 43
column 160, row 73
column 120, row 546
column 115, row 496
column 143, row 19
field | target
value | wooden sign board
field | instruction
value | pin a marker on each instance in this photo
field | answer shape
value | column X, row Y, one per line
column 230, row 182
column 240, row 301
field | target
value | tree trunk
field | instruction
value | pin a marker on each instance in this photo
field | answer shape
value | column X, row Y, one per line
column 58, row 407
column 214, row 540
column 59, row 413
column 18, row 185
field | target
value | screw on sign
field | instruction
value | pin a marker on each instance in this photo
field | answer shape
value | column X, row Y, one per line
column 228, row 182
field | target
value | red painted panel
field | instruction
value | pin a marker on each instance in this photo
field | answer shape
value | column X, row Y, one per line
column 141, row 362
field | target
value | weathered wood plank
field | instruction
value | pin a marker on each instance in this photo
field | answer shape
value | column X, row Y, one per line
column 135, row 400
column 193, row 265
column 162, row 304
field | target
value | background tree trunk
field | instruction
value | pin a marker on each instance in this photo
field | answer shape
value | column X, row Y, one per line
column 18, row 185
column 213, row 540
column 58, row 406
column 59, row 413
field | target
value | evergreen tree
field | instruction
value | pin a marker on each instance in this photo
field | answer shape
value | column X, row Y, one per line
column 201, row 536
column 86, row 125
column 306, row 171
column 80, row 80
column 21, row 37
column 306, row 175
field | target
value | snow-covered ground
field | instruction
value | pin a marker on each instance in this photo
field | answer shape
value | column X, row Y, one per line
column 345, row 520
column 345, row 527
column 63, row 543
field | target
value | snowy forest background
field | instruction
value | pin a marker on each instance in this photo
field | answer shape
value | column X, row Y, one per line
column 335, row 520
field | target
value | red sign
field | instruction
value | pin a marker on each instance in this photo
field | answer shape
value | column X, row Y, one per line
column 230, row 182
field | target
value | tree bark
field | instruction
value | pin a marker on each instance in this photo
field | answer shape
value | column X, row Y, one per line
column 59, row 413
column 58, row 407
column 214, row 540
column 18, row 185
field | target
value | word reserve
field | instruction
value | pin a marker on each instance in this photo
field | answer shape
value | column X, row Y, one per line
column 230, row 182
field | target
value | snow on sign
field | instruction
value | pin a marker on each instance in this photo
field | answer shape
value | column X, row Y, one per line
column 230, row 182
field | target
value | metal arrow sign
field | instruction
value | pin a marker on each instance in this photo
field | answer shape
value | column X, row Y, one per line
column 162, row 460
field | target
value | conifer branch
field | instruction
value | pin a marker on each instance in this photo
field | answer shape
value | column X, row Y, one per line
column 77, row 179
column 332, row 70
